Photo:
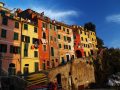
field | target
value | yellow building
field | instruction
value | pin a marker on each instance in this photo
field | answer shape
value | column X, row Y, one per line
column 66, row 42
column 30, row 56
column 93, row 40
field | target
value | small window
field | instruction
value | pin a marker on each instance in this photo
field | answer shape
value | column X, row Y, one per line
column 64, row 38
column 69, row 47
column 51, row 38
column 3, row 33
column 44, row 35
column 59, row 37
column 27, row 39
column 50, row 26
column 15, row 36
column 60, row 46
column 5, row 21
column 59, row 27
column 67, row 31
column 3, row 48
column 35, row 53
column 82, row 38
column 74, row 37
column 26, row 26
column 48, row 63
column 52, row 51
column 63, row 29
column 44, row 25
column 16, row 24
column 54, row 28
column 44, row 47
column 35, row 29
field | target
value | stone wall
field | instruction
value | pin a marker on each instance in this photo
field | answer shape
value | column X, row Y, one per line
column 73, row 74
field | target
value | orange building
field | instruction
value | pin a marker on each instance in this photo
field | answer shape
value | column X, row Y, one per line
column 66, row 42
column 53, row 44
column 79, row 51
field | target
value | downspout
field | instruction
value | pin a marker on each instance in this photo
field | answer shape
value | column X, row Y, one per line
column 21, row 46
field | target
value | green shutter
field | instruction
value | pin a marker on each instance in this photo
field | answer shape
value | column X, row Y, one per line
column 3, row 33
column 4, row 20
column 16, row 24
column 15, row 36
column 11, row 48
column 52, row 51
column 26, row 26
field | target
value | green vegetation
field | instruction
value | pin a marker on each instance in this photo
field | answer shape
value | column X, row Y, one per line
column 107, row 63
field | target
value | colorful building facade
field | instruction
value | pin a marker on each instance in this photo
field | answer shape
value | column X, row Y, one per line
column 10, row 35
column 65, row 42
column 78, row 47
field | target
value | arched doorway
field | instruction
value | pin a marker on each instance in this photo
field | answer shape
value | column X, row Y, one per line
column 78, row 54
column 58, row 76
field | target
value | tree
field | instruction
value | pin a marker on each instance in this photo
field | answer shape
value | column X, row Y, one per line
column 90, row 26
column 100, row 42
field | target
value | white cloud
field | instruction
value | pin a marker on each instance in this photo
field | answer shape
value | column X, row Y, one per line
column 113, row 18
column 63, row 16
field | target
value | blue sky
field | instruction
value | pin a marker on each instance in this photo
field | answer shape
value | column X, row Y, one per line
column 105, row 14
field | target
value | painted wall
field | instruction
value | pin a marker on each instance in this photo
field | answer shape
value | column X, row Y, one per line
column 30, row 59
column 9, row 40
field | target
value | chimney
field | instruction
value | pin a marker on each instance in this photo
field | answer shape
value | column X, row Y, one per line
column 2, row 4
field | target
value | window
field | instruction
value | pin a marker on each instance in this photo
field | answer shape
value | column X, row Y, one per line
column 50, row 26
column 58, row 27
column 27, row 39
column 54, row 28
column 26, row 26
column 15, row 36
column 16, row 24
column 35, row 53
column 3, row 48
column 64, row 38
column 86, row 39
column 35, row 29
column 52, row 51
column 81, row 32
column 5, row 21
column 59, row 37
column 26, row 45
column 69, row 39
column 82, row 38
column 3, row 33
column 64, row 46
column 14, row 49
column 44, row 47
column 67, row 31
column 51, row 38
column 44, row 25
column 35, row 41
column 48, row 63
column 44, row 35
column 69, row 47
column 60, row 46
column 63, row 29
column 74, row 37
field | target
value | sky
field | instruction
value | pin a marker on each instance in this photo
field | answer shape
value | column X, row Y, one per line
column 105, row 14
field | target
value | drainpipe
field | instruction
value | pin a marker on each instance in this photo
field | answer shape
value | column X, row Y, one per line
column 21, row 46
